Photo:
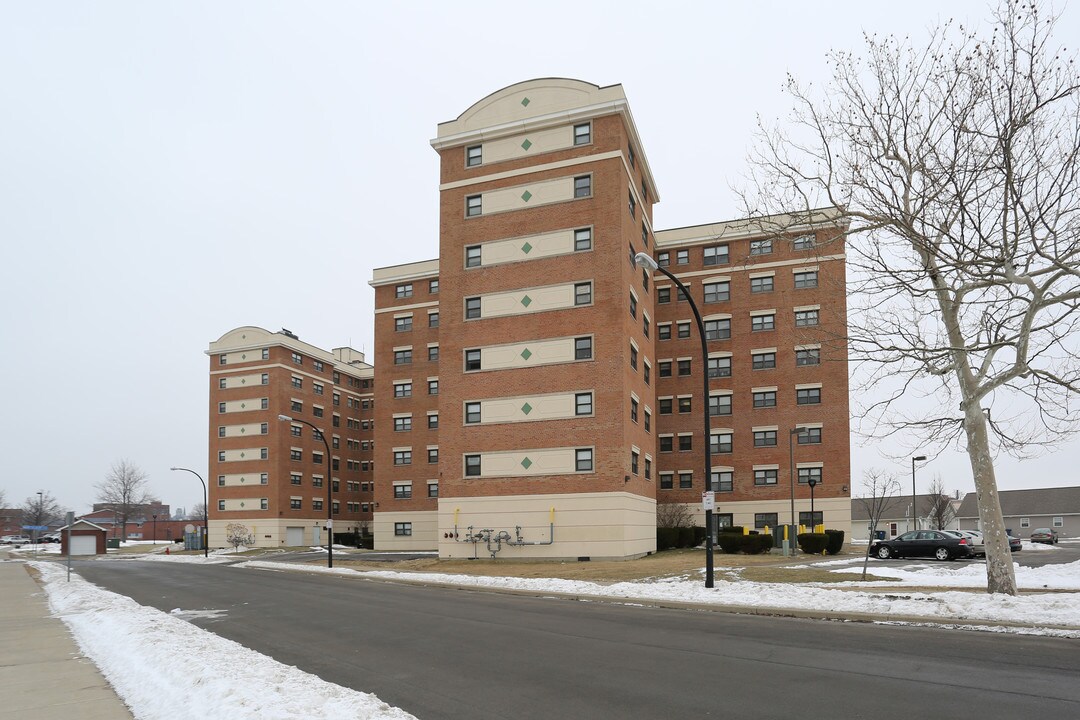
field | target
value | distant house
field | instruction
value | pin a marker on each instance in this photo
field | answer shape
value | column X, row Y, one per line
column 11, row 521
column 896, row 518
column 1026, row 510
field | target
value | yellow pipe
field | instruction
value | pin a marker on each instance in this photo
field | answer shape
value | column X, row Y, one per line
column 552, row 516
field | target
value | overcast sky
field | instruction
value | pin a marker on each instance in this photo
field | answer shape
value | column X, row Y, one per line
column 169, row 171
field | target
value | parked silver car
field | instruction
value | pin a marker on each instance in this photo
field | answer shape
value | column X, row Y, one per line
column 16, row 540
column 975, row 540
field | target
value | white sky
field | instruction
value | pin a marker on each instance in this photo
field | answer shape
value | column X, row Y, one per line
column 169, row 171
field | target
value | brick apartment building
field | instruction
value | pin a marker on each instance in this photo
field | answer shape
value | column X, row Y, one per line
column 538, row 394
column 274, row 476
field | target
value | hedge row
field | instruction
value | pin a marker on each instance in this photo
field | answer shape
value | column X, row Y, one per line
column 751, row 544
column 683, row 537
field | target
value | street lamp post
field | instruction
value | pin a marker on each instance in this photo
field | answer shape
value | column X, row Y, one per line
column 644, row 260
column 329, row 488
column 914, row 515
column 155, row 527
column 206, row 511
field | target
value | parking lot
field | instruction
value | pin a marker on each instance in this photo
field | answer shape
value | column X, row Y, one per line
column 1066, row 551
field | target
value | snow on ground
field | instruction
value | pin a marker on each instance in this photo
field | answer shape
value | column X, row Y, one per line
column 1061, row 609
column 1065, row 576
column 208, row 676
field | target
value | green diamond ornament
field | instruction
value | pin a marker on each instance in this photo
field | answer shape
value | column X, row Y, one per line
column 526, row 301
column 243, row 405
column 526, row 408
column 526, row 145
column 526, row 248
column 526, row 354
column 243, row 381
column 526, row 463
column 243, row 454
column 524, row 102
column 526, row 196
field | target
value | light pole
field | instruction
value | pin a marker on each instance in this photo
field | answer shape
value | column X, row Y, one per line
column 155, row 527
column 914, row 516
column 644, row 260
column 329, row 488
column 206, row 512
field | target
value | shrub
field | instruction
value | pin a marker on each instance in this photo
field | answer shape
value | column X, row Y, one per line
column 686, row 537
column 757, row 544
column 666, row 538
column 836, row 541
column 736, row 529
column 699, row 536
column 730, row 542
column 813, row 543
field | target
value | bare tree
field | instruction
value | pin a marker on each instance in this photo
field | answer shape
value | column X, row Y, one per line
column 880, row 490
column 940, row 512
column 40, row 509
column 197, row 512
column 124, row 491
column 673, row 515
column 237, row 534
column 954, row 171
column 3, row 498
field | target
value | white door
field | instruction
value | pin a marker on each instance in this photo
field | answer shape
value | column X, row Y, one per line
column 316, row 535
column 294, row 536
column 83, row 545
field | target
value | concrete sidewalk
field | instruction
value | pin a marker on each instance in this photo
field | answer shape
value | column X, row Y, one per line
column 42, row 671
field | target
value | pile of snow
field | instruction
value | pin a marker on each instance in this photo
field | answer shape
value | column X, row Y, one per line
column 193, row 669
column 1028, row 546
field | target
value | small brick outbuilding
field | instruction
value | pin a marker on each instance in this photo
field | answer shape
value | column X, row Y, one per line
column 86, row 538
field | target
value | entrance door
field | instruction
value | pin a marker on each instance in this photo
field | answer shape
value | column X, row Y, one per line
column 294, row 536
column 316, row 535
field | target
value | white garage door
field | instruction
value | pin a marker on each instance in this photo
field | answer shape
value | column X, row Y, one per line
column 294, row 536
column 83, row 545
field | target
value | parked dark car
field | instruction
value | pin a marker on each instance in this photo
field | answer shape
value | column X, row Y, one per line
column 1014, row 544
column 1048, row 536
column 923, row 543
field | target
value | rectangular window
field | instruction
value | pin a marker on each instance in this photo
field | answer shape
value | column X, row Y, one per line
column 403, row 457
column 433, row 490
column 296, row 479
column 472, row 465
column 806, row 474
column 663, row 332
column 717, row 292
column 296, row 406
column 583, row 348
column 719, row 367
column 630, row 155
column 716, row 255
column 433, row 320
column 433, row 353
column 295, row 454
column 686, row 443
column 684, row 405
column 472, row 413
column 666, row 480
column 631, row 203
column 474, row 155
column 648, row 420
column 472, row 256
column 811, row 519
column 295, row 504
column 472, row 359
column 297, row 358
column 722, row 481
column 583, row 404
column 583, row 459
column 633, row 305
column 433, row 287
column 403, row 390
column 583, row 186
column 265, row 380
column 1058, row 521
column 644, row 234
column 582, row 239
column 220, row 504
column 402, row 424
column 633, row 462
column 647, row 372
column 316, row 504
column 222, row 383
column 760, row 323
column 809, row 356
column 719, row 405
column 472, row 307
column 761, row 284
column 763, row 361
column 663, row 259
column 765, row 399
column 583, row 134
column 760, row 247
column 665, row 368
column 633, row 357
column 717, row 329
column 686, row 480
column 683, row 330
column 666, row 443
column 648, row 468
column 765, row 520
column 297, row 382
column 808, row 396
column 403, row 324
column 403, row 291
column 665, row 406
column 682, row 257
column 432, row 387
column 684, row 368
column 803, row 242
column 765, row 477
column 473, row 206
column 403, row 357
column 317, row 411
column 403, row 529
column 633, row 410
column 720, row 444
column 644, row 324
column 433, row 422
column 582, row 293
column 764, row 438
column 806, row 279
column 402, row 492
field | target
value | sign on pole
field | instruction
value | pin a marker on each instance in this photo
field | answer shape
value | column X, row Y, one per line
column 35, row 527
column 708, row 500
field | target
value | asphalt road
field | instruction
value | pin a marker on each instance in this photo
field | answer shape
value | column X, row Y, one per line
column 444, row 653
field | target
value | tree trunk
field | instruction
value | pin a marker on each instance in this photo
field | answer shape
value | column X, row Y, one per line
column 1000, row 577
